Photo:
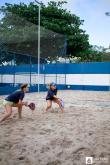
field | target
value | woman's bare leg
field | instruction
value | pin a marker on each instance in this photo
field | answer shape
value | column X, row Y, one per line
column 49, row 105
column 19, row 110
column 58, row 101
column 8, row 112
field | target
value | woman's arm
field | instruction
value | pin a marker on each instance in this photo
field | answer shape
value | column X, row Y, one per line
column 55, row 97
column 22, row 103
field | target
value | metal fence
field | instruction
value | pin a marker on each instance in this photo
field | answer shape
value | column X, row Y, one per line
column 24, row 69
column 82, row 76
column 19, row 59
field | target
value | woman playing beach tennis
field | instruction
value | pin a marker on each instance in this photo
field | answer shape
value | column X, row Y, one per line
column 51, row 96
column 15, row 100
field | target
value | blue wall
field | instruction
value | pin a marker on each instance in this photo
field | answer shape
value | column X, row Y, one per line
column 79, row 68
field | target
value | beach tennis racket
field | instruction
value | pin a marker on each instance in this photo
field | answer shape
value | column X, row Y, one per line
column 32, row 106
column 62, row 103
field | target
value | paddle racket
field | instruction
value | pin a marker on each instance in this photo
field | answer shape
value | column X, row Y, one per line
column 32, row 106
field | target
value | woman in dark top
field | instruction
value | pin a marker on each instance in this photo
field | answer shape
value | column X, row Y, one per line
column 15, row 100
column 51, row 96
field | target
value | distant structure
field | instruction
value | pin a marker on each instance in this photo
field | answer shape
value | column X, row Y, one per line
column 101, row 48
column 108, row 49
column 107, row 13
column 98, row 48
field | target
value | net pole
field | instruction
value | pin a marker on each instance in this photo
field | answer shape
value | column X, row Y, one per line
column 109, row 82
column 30, row 69
column 65, row 52
column 39, row 9
column 14, row 65
column 39, row 50
column 1, row 67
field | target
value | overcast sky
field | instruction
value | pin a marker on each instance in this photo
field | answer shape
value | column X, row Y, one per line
column 96, row 24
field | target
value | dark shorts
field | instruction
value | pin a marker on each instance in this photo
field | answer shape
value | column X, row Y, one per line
column 50, row 99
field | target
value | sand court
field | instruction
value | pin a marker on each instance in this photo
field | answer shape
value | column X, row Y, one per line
column 54, row 138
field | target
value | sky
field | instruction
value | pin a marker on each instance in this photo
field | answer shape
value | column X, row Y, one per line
column 96, row 23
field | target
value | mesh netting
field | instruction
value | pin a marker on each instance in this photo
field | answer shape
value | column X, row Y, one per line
column 19, row 51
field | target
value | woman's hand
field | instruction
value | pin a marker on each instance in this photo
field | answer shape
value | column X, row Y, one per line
column 25, row 103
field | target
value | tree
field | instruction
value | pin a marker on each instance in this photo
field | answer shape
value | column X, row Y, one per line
column 20, row 36
column 54, row 18
column 106, row 56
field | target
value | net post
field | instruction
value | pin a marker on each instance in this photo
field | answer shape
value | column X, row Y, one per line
column 39, row 9
column 30, row 69
column 14, row 69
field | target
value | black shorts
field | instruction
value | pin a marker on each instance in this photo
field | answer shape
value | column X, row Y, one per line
column 51, row 99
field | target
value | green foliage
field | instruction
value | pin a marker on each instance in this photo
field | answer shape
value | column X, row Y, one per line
column 91, row 56
column 106, row 56
column 55, row 18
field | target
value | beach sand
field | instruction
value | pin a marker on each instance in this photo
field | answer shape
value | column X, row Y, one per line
column 54, row 138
